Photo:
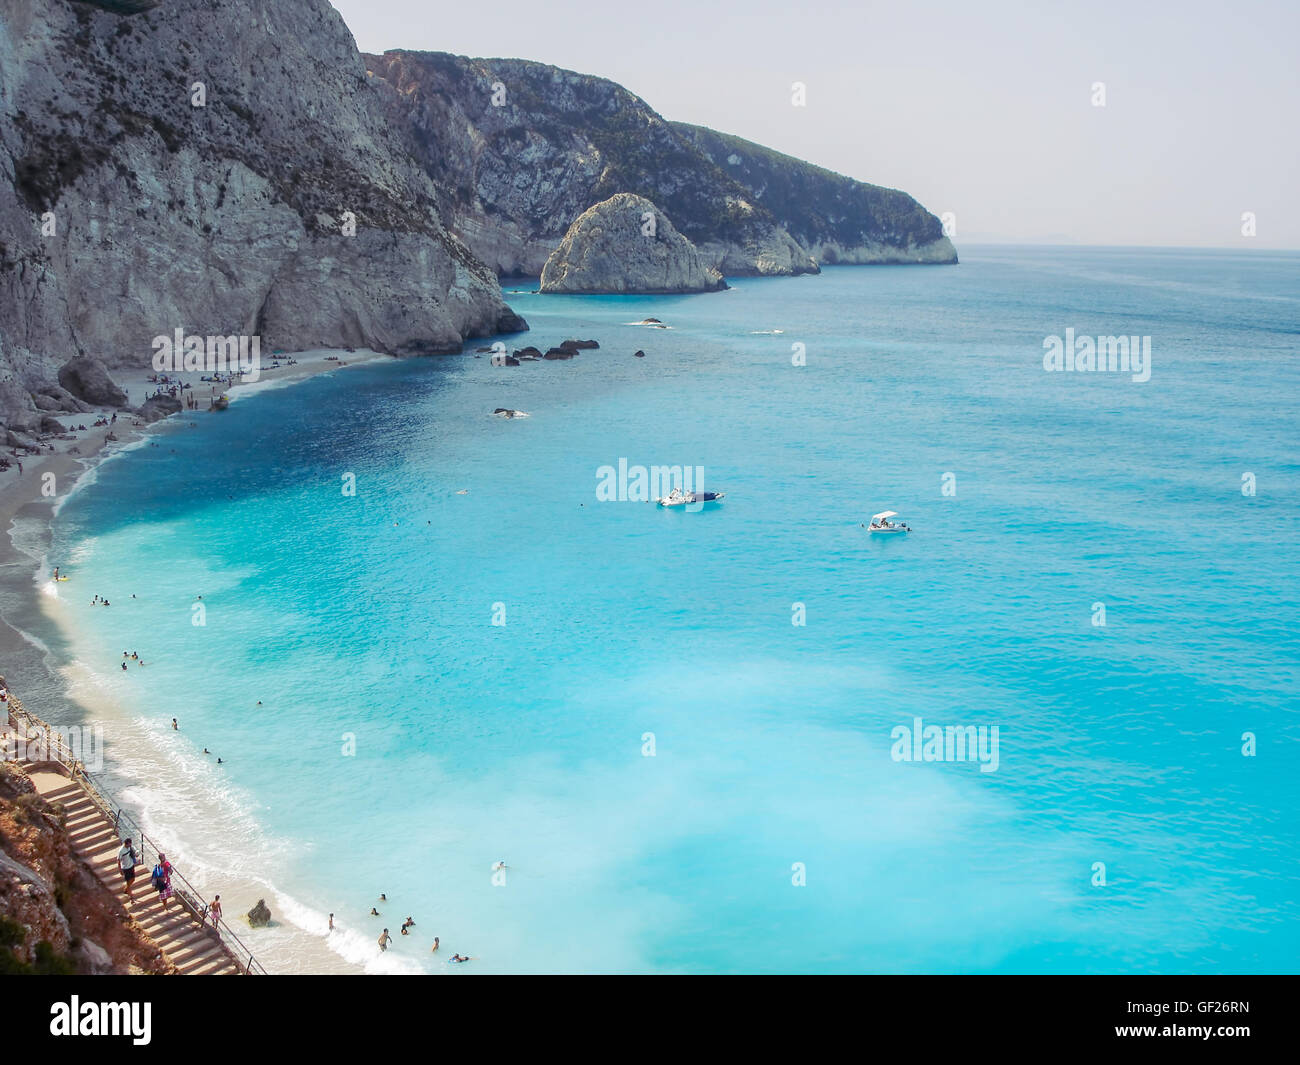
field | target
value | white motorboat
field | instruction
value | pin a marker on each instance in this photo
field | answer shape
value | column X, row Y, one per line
column 882, row 526
column 678, row 498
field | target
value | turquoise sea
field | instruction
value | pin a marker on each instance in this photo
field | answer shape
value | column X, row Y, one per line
column 404, row 743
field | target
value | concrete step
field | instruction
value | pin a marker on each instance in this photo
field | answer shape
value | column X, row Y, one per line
column 199, row 947
column 160, row 927
column 95, row 835
column 219, row 964
column 80, row 817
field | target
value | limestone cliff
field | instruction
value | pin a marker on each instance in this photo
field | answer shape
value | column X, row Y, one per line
column 625, row 244
column 524, row 148
column 126, row 211
column 834, row 218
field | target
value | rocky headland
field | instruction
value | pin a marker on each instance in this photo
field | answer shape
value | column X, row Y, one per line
column 524, row 148
column 232, row 168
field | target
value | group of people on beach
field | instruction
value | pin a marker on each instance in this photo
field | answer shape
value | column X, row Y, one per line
column 407, row 925
column 168, row 386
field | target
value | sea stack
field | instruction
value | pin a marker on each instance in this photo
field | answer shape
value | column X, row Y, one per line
column 627, row 245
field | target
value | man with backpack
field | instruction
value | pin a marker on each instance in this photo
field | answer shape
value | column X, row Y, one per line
column 162, row 879
column 127, row 861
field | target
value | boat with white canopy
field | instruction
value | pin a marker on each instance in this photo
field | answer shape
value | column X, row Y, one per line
column 881, row 525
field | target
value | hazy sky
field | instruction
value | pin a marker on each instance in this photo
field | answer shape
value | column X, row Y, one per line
column 983, row 109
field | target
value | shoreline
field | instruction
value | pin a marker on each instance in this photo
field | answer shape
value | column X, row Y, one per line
column 36, row 644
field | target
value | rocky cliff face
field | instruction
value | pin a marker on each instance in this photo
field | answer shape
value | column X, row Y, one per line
column 626, row 244
column 834, row 218
column 525, row 148
column 126, row 211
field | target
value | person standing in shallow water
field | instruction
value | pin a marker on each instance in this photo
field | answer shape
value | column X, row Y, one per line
column 384, row 939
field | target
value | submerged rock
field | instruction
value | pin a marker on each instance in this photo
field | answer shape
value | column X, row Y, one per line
column 626, row 244
column 260, row 915
column 638, row 354
column 579, row 345
column 556, row 354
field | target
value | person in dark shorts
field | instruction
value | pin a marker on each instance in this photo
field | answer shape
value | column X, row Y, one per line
column 127, row 861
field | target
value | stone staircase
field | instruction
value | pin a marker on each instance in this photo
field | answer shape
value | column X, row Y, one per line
column 191, row 946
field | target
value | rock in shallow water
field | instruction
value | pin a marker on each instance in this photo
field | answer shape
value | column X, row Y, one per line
column 260, row 915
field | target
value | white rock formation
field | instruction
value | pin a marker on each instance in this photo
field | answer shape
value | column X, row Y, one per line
column 626, row 244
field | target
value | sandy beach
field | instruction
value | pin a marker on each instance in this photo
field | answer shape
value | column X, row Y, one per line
column 35, row 656
column 47, row 479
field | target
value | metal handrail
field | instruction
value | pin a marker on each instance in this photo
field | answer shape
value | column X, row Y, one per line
column 191, row 897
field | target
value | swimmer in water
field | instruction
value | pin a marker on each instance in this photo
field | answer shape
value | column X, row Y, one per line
column 498, row 867
column 374, row 912
column 459, row 957
column 434, row 948
column 219, row 762
column 383, row 897
column 206, row 751
column 175, row 727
